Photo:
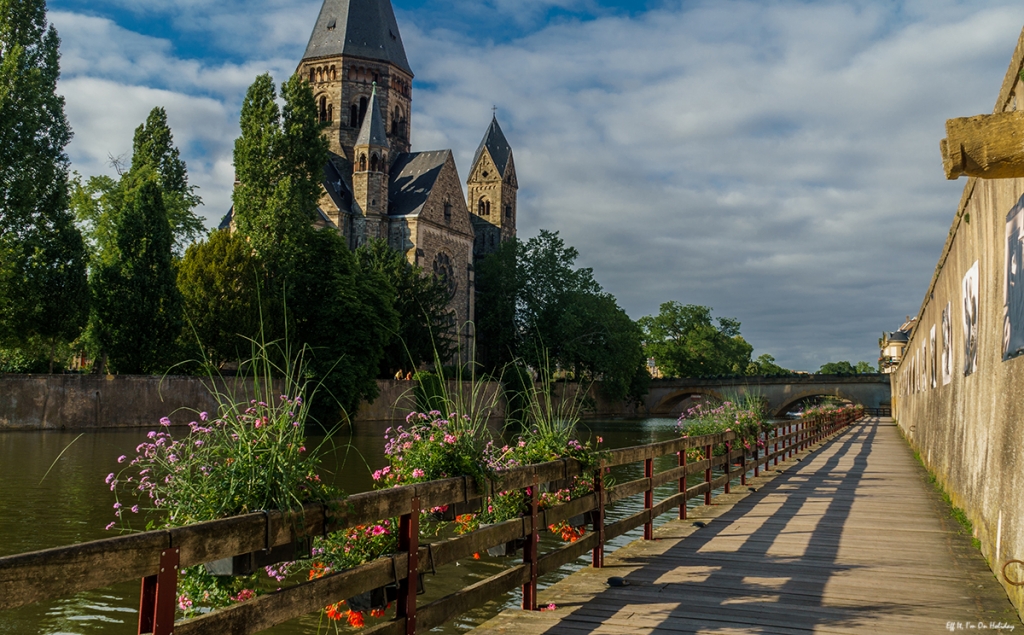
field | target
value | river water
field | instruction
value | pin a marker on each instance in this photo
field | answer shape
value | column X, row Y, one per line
column 52, row 494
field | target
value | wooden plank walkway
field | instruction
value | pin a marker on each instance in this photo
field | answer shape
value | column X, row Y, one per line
column 850, row 539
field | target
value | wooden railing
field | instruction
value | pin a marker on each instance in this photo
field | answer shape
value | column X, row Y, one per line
column 156, row 556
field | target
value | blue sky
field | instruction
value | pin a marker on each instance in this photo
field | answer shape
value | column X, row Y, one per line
column 776, row 160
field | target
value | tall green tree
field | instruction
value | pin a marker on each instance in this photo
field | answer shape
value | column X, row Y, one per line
column 97, row 202
column 765, row 365
column 153, row 148
column 536, row 305
column 846, row 368
column 42, row 265
column 312, row 290
column 135, row 297
column 687, row 341
column 421, row 302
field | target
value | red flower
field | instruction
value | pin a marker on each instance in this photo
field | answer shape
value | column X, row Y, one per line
column 334, row 611
column 355, row 619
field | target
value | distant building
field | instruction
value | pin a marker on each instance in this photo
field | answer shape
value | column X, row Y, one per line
column 892, row 345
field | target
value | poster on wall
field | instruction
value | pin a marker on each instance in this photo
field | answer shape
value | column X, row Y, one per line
column 947, row 344
column 970, row 300
column 934, row 353
column 1013, row 284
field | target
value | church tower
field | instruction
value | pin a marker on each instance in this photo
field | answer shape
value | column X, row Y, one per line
column 371, row 160
column 492, row 192
column 356, row 44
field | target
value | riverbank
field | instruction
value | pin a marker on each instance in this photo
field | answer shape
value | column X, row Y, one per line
column 83, row 402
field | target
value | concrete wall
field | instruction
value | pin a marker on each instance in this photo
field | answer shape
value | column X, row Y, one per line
column 969, row 428
column 82, row 402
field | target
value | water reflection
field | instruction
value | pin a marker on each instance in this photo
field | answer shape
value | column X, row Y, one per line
column 72, row 504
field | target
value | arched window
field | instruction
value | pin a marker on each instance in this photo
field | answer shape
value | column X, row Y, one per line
column 319, row 74
column 394, row 121
column 353, row 116
column 484, row 207
column 373, row 163
column 447, row 209
column 362, row 163
column 312, row 75
column 508, row 212
column 352, row 73
column 330, row 112
column 323, row 109
column 362, row 109
column 334, row 73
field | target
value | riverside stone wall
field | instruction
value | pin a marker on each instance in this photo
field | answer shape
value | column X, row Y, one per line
column 958, row 394
column 82, row 402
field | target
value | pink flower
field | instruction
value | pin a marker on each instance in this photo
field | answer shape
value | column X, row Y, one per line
column 418, row 473
column 204, row 416
column 377, row 530
column 110, row 526
column 600, row 439
column 165, row 422
column 243, row 595
column 184, row 603
column 135, row 509
column 122, row 459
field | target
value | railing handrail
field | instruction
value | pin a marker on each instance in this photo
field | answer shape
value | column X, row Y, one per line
column 47, row 574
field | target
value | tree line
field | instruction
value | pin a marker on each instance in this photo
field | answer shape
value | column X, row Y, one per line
column 124, row 270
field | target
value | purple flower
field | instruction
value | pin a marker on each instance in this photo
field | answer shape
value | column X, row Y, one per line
column 122, row 459
column 165, row 422
column 135, row 509
column 203, row 416
column 110, row 477
column 110, row 526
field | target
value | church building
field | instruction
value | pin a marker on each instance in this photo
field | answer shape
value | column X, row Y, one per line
column 375, row 186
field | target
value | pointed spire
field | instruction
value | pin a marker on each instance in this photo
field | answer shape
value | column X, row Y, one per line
column 496, row 144
column 373, row 132
column 361, row 28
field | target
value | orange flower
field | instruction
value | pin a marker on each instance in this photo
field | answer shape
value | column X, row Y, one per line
column 334, row 611
column 355, row 619
column 377, row 613
column 476, row 556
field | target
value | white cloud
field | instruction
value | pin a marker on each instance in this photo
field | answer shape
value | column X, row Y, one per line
column 775, row 160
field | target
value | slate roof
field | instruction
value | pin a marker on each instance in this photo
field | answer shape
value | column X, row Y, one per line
column 362, row 28
column 337, row 183
column 373, row 132
column 495, row 143
column 413, row 176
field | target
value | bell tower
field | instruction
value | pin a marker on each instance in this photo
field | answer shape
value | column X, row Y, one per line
column 492, row 190
column 356, row 44
column 371, row 161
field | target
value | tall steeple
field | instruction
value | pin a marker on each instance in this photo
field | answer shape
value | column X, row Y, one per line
column 371, row 160
column 355, row 44
column 492, row 190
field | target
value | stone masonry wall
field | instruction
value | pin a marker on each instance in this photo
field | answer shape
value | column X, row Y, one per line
column 967, row 420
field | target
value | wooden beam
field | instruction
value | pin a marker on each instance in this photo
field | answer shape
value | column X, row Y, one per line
column 985, row 146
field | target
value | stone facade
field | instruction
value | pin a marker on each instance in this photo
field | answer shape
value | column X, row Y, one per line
column 374, row 185
column 958, row 393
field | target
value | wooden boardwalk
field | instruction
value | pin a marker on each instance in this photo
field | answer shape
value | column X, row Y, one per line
column 852, row 539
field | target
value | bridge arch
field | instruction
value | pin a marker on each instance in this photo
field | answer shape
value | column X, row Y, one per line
column 792, row 400
column 675, row 403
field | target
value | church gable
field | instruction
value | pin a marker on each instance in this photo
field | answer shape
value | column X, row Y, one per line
column 445, row 205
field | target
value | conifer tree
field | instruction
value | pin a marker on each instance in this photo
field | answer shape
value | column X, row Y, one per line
column 42, row 260
column 154, row 148
column 136, row 301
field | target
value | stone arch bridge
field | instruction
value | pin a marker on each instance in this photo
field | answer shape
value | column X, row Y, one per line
column 673, row 396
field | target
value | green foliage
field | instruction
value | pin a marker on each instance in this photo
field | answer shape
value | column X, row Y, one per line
column 429, row 392
column 425, row 327
column 846, row 368
column 745, row 415
column 686, row 342
column 36, row 355
column 153, row 149
column 137, row 307
column 536, row 304
column 219, row 280
column 344, row 315
column 43, row 292
column 765, row 365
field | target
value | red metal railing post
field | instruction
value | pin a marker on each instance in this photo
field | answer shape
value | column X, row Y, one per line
column 597, row 558
column 707, row 475
column 682, row 484
column 160, row 596
column 409, row 542
column 649, row 498
column 530, row 553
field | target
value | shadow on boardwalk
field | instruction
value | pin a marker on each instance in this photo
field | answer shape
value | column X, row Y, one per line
column 850, row 540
